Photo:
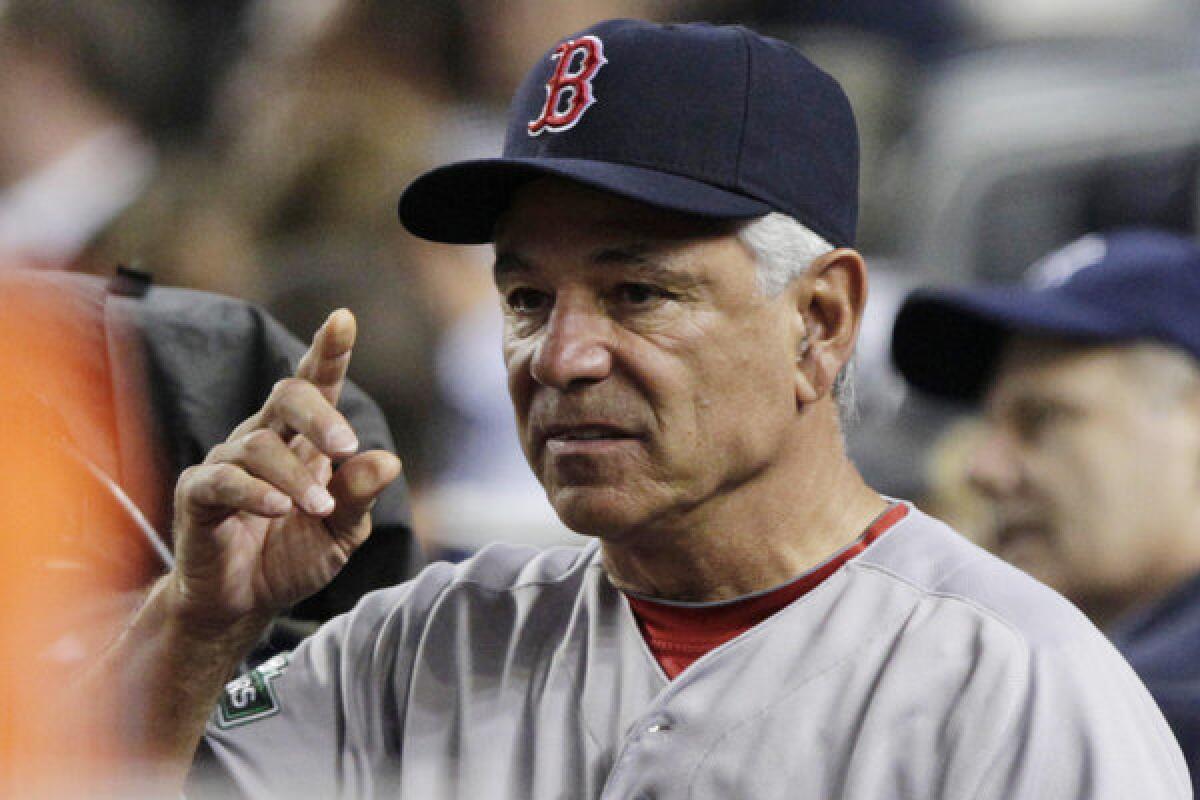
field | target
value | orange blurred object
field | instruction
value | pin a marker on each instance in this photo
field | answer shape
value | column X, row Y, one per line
column 73, row 546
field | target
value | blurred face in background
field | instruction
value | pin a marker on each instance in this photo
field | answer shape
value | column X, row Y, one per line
column 1091, row 456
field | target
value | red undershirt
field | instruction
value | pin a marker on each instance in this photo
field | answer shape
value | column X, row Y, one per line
column 678, row 635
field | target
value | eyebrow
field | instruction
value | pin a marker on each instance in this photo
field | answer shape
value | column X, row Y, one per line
column 508, row 263
column 633, row 257
column 1029, row 403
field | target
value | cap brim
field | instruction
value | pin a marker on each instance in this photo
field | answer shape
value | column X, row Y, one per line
column 460, row 203
column 947, row 342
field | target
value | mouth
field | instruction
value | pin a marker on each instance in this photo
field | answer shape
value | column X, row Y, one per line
column 589, row 437
column 1011, row 534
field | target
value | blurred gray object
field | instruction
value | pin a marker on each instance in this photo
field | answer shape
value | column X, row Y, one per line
column 893, row 428
column 1021, row 147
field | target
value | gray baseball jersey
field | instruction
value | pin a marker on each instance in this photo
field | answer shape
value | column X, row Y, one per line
column 925, row 668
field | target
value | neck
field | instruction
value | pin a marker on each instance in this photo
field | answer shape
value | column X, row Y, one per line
column 761, row 534
column 1178, row 566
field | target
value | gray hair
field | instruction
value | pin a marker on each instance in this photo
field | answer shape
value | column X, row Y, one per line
column 784, row 249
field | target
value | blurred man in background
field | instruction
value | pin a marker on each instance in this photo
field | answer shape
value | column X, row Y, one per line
column 1090, row 454
column 81, row 102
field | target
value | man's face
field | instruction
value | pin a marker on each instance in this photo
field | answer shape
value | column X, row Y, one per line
column 651, row 379
column 1091, row 470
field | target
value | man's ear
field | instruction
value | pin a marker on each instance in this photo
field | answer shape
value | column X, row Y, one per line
column 829, row 310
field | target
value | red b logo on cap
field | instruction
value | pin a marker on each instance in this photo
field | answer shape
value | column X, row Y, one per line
column 569, row 91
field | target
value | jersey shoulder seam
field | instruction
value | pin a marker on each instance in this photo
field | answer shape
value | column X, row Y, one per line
column 1011, row 723
column 946, row 595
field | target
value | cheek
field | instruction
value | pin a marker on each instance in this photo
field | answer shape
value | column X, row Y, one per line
column 1099, row 486
column 1077, row 477
column 1161, row 467
column 517, row 355
column 743, row 399
column 1172, row 445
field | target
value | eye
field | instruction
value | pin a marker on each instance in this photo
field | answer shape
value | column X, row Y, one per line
column 641, row 294
column 1033, row 421
column 527, row 301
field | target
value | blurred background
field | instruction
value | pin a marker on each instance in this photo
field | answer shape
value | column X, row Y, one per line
column 256, row 148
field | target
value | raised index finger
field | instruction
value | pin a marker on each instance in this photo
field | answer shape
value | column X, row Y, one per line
column 328, row 358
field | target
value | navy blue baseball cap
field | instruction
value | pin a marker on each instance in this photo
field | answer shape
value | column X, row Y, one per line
column 1124, row 286
column 716, row 121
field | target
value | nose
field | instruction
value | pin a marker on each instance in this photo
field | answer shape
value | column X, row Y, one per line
column 574, row 347
column 993, row 466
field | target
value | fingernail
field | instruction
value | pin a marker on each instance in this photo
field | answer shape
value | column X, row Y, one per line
column 277, row 502
column 318, row 501
column 342, row 440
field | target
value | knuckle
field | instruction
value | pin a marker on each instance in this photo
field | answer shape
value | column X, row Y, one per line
column 259, row 442
column 186, row 485
column 229, row 494
column 293, row 398
column 216, row 455
column 291, row 388
column 284, row 390
column 226, row 475
column 201, row 484
column 301, row 446
column 302, row 468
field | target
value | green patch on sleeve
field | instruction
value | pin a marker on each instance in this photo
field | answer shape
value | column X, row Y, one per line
column 252, row 696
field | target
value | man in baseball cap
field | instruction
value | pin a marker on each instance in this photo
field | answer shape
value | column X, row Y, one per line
column 1089, row 377
column 673, row 220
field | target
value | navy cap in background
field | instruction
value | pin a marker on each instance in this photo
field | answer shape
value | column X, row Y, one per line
column 1124, row 286
column 696, row 118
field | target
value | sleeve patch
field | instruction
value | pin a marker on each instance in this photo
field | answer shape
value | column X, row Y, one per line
column 251, row 697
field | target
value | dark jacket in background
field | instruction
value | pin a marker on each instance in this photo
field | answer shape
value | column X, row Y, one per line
column 198, row 364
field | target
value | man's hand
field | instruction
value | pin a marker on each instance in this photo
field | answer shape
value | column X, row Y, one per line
column 266, row 520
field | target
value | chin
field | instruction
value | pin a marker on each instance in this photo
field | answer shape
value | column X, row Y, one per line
column 605, row 513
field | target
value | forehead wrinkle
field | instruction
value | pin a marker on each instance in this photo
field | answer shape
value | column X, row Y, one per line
column 636, row 258
column 632, row 259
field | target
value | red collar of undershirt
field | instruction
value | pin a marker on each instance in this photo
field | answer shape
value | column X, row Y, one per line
column 679, row 634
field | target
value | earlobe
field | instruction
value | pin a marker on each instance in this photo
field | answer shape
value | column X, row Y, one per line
column 830, row 313
column 806, row 390
column 816, row 371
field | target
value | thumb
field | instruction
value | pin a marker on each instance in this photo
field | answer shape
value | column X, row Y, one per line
column 355, row 486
